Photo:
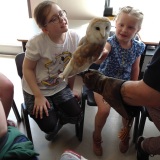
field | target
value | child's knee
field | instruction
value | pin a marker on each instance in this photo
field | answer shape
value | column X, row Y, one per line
column 47, row 123
column 48, row 127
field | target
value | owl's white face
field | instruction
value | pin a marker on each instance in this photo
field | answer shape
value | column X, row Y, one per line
column 98, row 30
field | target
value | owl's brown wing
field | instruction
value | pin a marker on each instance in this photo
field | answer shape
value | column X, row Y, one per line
column 82, row 41
column 87, row 53
column 89, row 50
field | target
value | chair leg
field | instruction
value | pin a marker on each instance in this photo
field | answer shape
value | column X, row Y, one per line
column 136, row 125
column 79, row 126
column 142, row 122
column 15, row 110
column 26, row 121
column 79, row 130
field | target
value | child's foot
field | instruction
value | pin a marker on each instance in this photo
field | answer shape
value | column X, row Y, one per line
column 124, row 145
column 52, row 135
column 97, row 147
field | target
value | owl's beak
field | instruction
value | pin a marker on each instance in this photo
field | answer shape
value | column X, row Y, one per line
column 103, row 33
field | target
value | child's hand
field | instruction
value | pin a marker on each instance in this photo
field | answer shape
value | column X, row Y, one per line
column 104, row 54
column 41, row 105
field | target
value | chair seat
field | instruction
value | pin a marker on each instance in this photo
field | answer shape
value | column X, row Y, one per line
column 89, row 96
column 90, row 99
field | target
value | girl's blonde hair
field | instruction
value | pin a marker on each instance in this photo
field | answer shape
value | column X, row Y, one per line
column 133, row 12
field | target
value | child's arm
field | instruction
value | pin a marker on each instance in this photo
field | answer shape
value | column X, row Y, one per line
column 135, row 69
column 71, row 81
column 104, row 54
column 41, row 104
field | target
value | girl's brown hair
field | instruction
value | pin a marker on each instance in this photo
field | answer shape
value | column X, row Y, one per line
column 41, row 12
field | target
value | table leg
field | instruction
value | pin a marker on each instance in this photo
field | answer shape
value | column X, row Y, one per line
column 24, row 46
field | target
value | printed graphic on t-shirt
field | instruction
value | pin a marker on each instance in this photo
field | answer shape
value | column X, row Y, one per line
column 54, row 68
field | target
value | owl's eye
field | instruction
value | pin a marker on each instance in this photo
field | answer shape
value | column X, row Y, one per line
column 97, row 28
column 106, row 27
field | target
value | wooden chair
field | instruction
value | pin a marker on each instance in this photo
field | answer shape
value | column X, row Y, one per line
column 78, row 127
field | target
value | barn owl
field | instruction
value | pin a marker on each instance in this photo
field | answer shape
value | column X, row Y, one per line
column 90, row 47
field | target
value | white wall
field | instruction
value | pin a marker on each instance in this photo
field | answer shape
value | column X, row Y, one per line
column 12, row 13
column 82, row 9
column 150, row 9
column 34, row 3
column 77, row 9
column 11, row 16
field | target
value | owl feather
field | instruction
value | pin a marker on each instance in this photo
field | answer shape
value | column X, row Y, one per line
column 90, row 47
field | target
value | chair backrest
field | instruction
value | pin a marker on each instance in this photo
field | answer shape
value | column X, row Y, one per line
column 19, row 62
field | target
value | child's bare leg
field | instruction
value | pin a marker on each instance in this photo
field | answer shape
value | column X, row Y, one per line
column 124, row 135
column 100, row 120
column 6, row 93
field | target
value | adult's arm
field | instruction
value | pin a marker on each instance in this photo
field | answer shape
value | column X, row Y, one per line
column 147, row 91
column 138, row 93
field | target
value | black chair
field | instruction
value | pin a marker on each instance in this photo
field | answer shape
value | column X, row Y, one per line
column 78, row 127
column 19, row 60
column 142, row 121
column 88, row 97
column 15, row 110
